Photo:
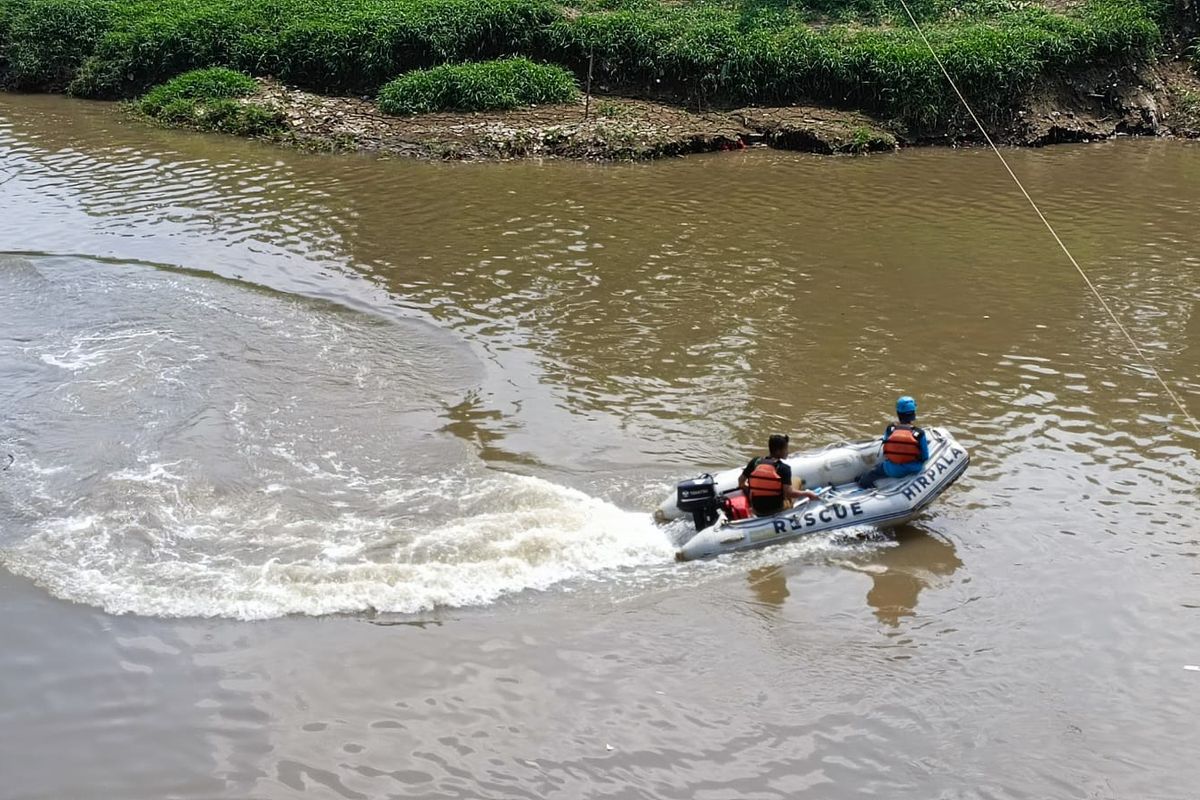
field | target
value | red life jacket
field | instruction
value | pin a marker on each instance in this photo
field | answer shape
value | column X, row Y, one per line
column 901, row 445
column 764, row 481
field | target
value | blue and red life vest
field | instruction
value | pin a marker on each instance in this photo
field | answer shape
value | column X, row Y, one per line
column 902, row 446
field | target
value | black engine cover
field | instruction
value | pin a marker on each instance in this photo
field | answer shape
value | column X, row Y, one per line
column 696, row 494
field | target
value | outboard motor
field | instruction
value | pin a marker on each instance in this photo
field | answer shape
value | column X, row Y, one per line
column 698, row 497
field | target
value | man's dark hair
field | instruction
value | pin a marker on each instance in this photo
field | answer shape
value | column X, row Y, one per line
column 907, row 418
column 777, row 442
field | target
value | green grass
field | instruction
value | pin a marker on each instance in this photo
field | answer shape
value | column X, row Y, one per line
column 862, row 139
column 707, row 51
column 206, row 99
column 481, row 86
column 216, row 83
column 849, row 53
column 44, row 43
column 114, row 48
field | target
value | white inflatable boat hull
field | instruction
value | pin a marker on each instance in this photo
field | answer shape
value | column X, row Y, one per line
column 892, row 502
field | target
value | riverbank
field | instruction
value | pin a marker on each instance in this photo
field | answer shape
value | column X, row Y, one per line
column 606, row 128
column 1159, row 101
column 821, row 75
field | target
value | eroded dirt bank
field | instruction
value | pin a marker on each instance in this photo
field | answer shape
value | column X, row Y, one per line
column 1159, row 101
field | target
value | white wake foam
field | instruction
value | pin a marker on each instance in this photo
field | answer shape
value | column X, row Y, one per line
column 189, row 448
column 519, row 534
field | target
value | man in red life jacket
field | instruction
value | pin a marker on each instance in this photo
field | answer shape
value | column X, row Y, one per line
column 905, row 448
column 768, row 480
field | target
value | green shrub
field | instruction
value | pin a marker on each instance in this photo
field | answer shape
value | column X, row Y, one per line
column 207, row 99
column 215, row 83
column 149, row 46
column 482, row 86
column 335, row 46
column 44, row 41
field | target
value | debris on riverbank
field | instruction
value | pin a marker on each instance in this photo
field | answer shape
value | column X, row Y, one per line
column 607, row 128
column 1099, row 103
column 1102, row 104
column 1181, row 90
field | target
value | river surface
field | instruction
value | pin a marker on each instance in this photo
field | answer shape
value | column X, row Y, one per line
column 331, row 477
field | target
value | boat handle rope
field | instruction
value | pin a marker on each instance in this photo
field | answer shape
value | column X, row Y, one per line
column 1149, row 365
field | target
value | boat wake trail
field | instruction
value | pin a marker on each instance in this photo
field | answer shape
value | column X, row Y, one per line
column 188, row 447
column 165, row 551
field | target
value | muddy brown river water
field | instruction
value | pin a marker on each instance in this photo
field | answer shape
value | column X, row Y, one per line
column 332, row 476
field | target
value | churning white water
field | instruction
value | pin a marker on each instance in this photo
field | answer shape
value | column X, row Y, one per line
column 191, row 447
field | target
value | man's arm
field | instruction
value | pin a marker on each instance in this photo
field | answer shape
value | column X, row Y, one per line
column 791, row 492
column 744, row 478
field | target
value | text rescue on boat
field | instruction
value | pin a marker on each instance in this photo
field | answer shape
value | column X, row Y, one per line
column 796, row 522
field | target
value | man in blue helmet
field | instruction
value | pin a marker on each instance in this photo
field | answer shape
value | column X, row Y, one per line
column 905, row 447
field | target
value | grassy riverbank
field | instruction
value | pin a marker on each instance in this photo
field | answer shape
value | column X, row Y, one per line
column 705, row 54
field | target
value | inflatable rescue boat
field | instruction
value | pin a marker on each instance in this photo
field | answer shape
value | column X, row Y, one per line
column 715, row 503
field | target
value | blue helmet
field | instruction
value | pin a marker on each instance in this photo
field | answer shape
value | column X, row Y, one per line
column 906, row 405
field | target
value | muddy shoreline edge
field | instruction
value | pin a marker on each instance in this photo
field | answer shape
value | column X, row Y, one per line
column 1095, row 105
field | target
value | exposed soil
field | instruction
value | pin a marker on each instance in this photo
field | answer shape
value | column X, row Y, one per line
column 1096, row 104
column 606, row 128
column 1181, row 100
column 1109, row 101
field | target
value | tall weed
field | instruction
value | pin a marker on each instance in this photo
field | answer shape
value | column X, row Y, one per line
column 484, row 86
column 735, row 51
column 45, row 41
